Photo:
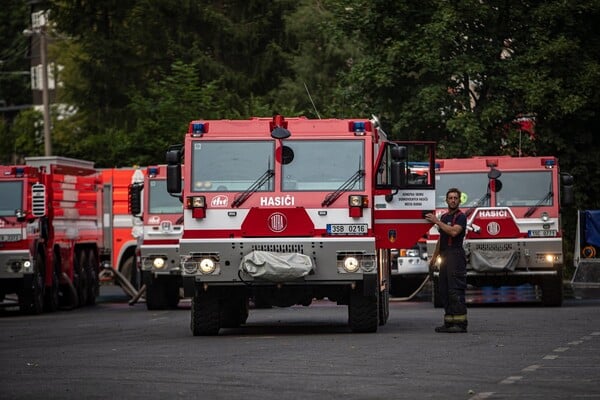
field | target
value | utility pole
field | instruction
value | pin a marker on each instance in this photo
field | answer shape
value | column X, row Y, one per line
column 39, row 25
column 45, row 96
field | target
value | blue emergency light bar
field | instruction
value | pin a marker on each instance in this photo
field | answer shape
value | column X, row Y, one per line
column 549, row 163
column 358, row 127
column 152, row 171
column 199, row 128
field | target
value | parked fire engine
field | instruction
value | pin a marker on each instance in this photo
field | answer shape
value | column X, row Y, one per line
column 120, row 229
column 162, row 216
column 514, row 234
column 50, row 232
column 291, row 210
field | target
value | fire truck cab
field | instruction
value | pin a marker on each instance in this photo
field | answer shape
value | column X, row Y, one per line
column 514, row 233
column 292, row 210
column 158, row 245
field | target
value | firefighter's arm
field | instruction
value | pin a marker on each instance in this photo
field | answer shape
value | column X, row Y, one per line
column 450, row 230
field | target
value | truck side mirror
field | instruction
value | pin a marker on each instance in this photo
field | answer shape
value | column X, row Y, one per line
column 173, row 157
column 568, row 196
column 398, row 173
column 135, row 199
column 174, row 179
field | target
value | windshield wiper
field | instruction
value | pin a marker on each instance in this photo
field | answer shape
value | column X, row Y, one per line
column 479, row 203
column 242, row 197
column 349, row 184
column 548, row 196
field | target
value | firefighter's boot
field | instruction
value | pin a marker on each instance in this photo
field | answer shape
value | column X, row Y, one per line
column 453, row 324
column 448, row 322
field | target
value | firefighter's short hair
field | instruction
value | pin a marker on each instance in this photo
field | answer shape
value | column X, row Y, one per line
column 454, row 190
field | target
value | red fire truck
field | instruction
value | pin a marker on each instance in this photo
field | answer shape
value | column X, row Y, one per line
column 120, row 229
column 291, row 210
column 514, row 233
column 50, row 232
column 162, row 216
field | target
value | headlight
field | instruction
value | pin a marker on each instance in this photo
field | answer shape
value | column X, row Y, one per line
column 158, row 263
column 207, row 266
column 545, row 216
column 351, row 264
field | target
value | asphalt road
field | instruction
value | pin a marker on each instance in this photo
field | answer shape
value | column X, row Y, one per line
column 113, row 350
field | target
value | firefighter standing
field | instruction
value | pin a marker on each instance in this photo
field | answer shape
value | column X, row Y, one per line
column 453, row 267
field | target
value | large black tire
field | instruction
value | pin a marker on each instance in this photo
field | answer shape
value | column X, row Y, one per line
column 205, row 319
column 552, row 289
column 91, row 272
column 155, row 292
column 31, row 296
column 234, row 312
column 363, row 312
column 172, row 293
column 81, row 279
column 436, row 299
column 384, row 306
column 51, row 297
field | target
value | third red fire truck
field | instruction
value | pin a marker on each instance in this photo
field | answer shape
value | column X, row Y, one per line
column 291, row 210
column 514, row 233
column 50, row 233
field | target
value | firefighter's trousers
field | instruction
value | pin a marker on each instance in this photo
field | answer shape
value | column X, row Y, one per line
column 452, row 286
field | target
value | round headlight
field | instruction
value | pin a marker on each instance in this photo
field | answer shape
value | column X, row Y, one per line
column 351, row 264
column 158, row 262
column 545, row 216
column 27, row 264
column 207, row 266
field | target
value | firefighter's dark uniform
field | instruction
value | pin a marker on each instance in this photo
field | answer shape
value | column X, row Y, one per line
column 453, row 275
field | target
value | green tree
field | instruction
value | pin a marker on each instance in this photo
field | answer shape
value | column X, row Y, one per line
column 164, row 110
column 15, row 91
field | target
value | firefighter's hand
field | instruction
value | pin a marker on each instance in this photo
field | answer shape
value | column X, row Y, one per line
column 431, row 218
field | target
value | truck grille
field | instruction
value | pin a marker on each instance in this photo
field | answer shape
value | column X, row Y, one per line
column 494, row 246
column 279, row 248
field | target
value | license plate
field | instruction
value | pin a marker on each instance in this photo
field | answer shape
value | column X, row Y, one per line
column 543, row 233
column 347, row 229
column 10, row 238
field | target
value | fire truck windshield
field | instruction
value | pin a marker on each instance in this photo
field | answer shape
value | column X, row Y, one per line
column 160, row 201
column 322, row 165
column 11, row 198
column 525, row 189
column 231, row 166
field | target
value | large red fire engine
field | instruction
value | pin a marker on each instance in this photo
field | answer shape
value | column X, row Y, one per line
column 162, row 217
column 514, row 231
column 287, row 211
column 50, row 232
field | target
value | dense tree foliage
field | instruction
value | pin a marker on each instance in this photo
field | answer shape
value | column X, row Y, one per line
column 14, row 71
column 462, row 73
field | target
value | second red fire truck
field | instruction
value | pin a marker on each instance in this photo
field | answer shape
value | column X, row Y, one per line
column 158, row 244
column 513, row 207
column 291, row 210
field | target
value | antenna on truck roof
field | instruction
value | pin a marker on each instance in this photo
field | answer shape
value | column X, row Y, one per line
column 311, row 100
